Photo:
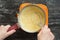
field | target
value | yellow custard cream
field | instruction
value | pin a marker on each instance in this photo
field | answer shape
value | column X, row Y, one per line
column 31, row 19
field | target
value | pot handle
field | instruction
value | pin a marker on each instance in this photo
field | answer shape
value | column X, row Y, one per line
column 15, row 26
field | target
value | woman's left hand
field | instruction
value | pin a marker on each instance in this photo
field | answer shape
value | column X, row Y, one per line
column 4, row 33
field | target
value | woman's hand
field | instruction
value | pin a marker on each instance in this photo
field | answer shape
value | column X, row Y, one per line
column 4, row 33
column 45, row 34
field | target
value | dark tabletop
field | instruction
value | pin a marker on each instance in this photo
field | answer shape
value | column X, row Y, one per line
column 9, row 8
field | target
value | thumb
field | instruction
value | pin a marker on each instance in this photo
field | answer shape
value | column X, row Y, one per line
column 10, row 33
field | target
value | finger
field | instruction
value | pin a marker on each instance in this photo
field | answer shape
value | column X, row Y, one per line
column 10, row 33
column 39, row 33
column 49, row 30
column 46, row 26
column 2, row 26
column 43, row 29
column 52, row 35
column 7, row 26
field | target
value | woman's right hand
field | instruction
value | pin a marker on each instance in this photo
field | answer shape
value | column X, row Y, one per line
column 45, row 34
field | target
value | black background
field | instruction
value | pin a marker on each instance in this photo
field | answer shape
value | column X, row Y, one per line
column 9, row 8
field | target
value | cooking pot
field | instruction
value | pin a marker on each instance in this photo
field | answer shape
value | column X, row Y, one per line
column 31, row 17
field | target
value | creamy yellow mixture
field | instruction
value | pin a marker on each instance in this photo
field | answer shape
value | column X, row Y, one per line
column 31, row 19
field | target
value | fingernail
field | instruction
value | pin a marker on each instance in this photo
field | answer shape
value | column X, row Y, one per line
column 13, row 30
column 46, row 26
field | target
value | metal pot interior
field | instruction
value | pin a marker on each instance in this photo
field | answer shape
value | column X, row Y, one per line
column 31, row 18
